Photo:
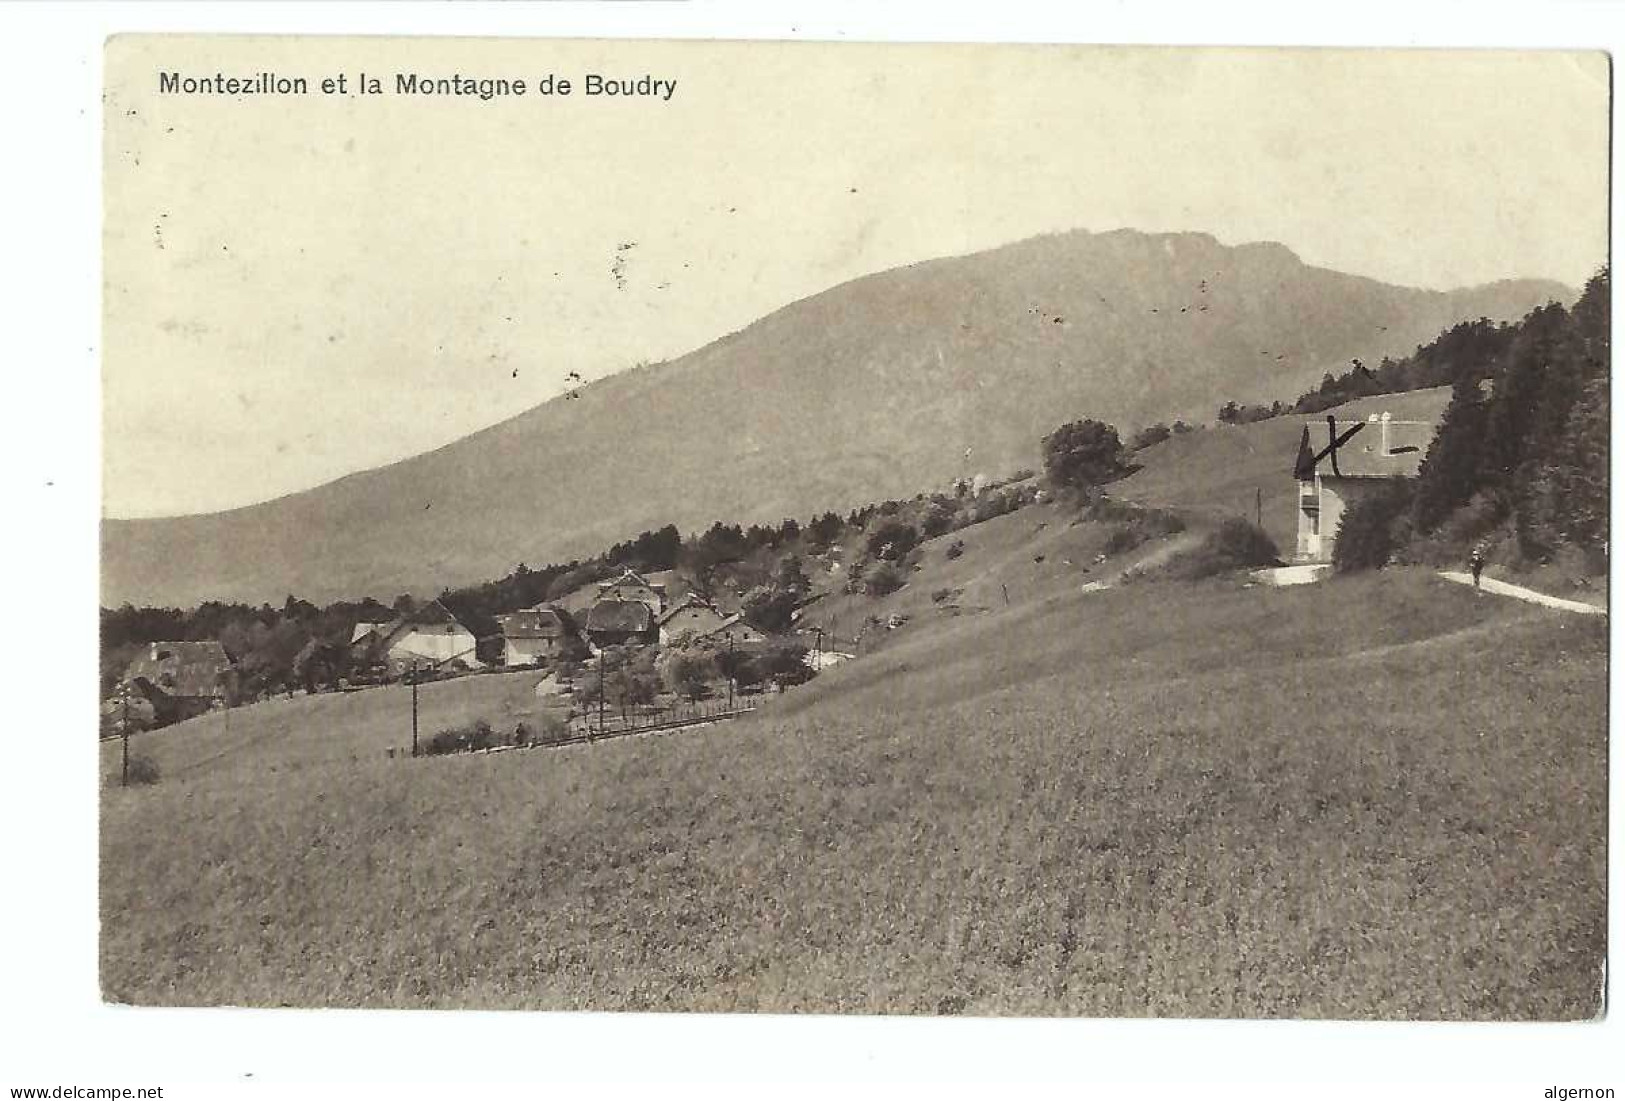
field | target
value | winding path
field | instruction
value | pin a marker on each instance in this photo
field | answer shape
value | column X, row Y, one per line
column 1503, row 588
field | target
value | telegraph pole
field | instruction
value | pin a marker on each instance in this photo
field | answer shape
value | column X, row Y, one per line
column 600, row 689
column 124, row 736
column 412, row 675
column 730, row 671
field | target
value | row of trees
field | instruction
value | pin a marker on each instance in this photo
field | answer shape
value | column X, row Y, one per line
column 1521, row 455
column 1461, row 348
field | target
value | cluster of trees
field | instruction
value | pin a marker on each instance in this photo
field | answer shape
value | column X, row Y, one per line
column 1153, row 434
column 1231, row 413
column 1521, row 455
column 1462, row 348
column 279, row 648
column 628, row 677
column 263, row 641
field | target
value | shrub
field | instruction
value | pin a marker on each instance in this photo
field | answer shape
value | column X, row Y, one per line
column 523, row 735
column 1082, row 455
column 461, row 739
column 785, row 664
column 551, row 729
column 1124, row 537
column 955, row 549
column 143, row 771
column 1235, row 544
column 1368, row 535
column 883, row 579
column 940, row 595
column 892, row 539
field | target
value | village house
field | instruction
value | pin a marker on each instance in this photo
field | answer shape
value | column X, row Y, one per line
column 620, row 622
column 532, row 635
column 734, row 631
column 427, row 637
column 692, row 616
column 633, row 586
column 182, row 679
column 1356, row 459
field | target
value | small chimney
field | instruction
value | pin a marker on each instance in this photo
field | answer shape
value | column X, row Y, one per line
column 152, row 654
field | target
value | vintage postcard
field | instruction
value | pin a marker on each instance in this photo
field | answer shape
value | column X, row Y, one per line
column 838, row 528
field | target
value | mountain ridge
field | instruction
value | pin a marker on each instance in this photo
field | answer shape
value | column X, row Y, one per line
column 881, row 386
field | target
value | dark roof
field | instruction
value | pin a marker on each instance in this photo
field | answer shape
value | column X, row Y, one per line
column 542, row 621
column 736, row 618
column 631, row 575
column 1364, row 455
column 631, row 616
column 692, row 600
column 432, row 614
column 186, row 669
column 364, row 628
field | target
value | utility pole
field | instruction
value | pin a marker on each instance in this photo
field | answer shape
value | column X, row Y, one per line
column 730, row 671
column 1258, row 507
column 124, row 736
column 818, row 652
column 600, row 690
column 412, row 675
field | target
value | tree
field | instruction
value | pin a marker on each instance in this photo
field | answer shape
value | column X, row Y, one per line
column 1082, row 455
column 785, row 664
column 688, row 672
column 883, row 579
column 1150, row 436
column 891, row 539
column 768, row 608
column 1366, row 538
column 790, row 577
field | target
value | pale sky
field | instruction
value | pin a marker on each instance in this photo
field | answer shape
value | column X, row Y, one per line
column 298, row 288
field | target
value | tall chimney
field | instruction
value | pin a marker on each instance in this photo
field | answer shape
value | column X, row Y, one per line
column 1385, row 419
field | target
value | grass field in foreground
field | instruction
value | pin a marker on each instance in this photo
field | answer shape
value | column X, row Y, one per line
column 1374, row 797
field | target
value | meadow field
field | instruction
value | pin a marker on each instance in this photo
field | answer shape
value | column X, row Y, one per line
column 1376, row 797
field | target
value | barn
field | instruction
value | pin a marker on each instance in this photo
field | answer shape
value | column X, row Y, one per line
column 693, row 616
column 632, row 586
column 620, row 622
column 182, row 679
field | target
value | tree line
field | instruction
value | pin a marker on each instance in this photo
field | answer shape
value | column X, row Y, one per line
column 1520, row 459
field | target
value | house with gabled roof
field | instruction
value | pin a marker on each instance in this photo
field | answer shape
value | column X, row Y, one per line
column 693, row 616
column 1357, row 459
column 182, row 679
column 427, row 637
column 532, row 635
column 734, row 631
column 631, row 585
column 619, row 623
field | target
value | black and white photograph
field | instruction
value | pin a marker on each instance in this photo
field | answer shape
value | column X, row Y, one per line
column 737, row 553
column 848, row 529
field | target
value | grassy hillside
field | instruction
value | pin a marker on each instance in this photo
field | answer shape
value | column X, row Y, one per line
column 873, row 389
column 1390, row 802
column 1219, row 471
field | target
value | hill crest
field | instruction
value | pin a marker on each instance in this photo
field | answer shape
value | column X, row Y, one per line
column 884, row 386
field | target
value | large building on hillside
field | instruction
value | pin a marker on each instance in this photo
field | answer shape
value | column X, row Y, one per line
column 633, row 586
column 1355, row 459
column 182, row 679
column 692, row 616
column 620, row 623
column 427, row 637
column 531, row 635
